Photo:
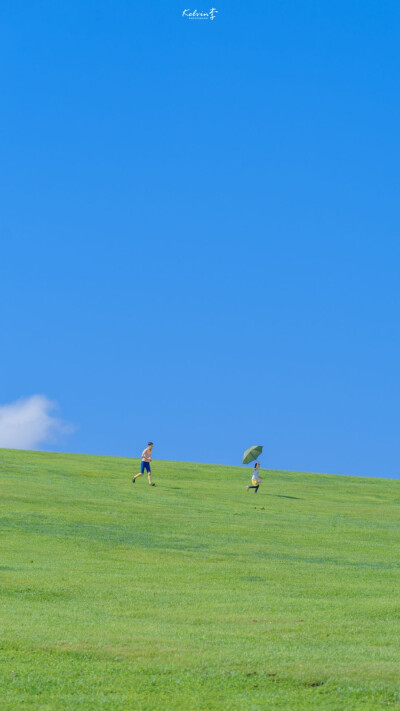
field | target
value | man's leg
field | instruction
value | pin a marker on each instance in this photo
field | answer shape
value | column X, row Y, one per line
column 140, row 473
column 149, row 476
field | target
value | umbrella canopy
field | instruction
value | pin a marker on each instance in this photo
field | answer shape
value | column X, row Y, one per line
column 252, row 453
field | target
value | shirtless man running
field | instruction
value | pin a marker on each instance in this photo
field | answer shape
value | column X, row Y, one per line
column 145, row 463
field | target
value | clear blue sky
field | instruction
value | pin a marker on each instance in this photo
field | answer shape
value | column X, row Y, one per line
column 200, row 228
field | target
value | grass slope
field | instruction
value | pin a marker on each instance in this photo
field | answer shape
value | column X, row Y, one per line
column 195, row 594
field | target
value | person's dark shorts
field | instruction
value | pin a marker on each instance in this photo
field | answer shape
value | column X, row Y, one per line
column 145, row 466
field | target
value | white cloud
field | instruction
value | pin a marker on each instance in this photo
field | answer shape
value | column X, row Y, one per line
column 26, row 423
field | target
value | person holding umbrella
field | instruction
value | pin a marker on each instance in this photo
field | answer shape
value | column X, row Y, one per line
column 251, row 455
column 255, row 479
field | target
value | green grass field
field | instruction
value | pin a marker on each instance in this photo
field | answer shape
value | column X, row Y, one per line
column 195, row 594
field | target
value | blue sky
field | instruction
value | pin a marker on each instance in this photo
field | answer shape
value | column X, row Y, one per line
column 200, row 229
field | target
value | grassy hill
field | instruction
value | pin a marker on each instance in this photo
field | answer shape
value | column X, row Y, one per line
column 195, row 594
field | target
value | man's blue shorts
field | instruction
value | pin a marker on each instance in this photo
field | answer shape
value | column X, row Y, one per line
column 145, row 466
